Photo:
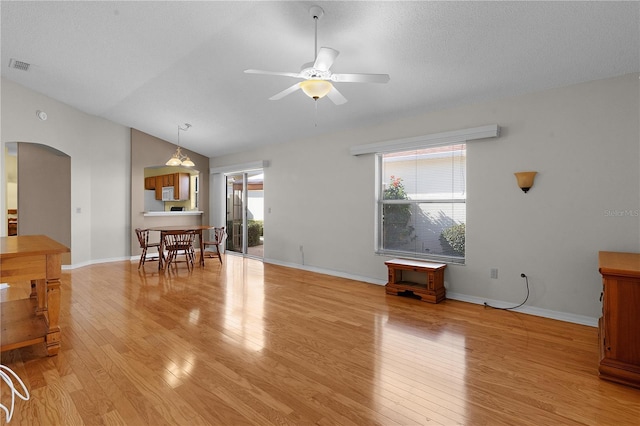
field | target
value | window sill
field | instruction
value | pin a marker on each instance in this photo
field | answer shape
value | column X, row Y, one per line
column 413, row 256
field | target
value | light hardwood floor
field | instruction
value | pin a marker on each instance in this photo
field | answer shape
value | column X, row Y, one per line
column 253, row 343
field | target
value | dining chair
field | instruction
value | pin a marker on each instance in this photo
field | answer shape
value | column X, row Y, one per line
column 143, row 239
column 219, row 236
column 178, row 243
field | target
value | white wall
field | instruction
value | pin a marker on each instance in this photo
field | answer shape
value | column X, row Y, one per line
column 583, row 141
column 100, row 168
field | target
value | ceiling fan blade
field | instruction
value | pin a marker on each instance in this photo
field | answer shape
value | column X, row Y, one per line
column 285, row 92
column 360, row 78
column 325, row 58
column 336, row 97
column 286, row 74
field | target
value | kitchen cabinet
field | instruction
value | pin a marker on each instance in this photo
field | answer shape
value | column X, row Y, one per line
column 158, row 187
column 619, row 326
column 179, row 181
column 150, row 182
column 181, row 187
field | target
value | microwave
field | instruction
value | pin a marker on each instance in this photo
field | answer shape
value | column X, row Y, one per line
column 167, row 193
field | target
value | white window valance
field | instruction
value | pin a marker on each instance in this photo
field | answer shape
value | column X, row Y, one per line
column 236, row 168
column 426, row 141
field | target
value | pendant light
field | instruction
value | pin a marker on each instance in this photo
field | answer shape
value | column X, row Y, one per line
column 180, row 159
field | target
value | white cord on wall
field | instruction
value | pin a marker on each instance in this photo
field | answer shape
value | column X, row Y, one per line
column 8, row 375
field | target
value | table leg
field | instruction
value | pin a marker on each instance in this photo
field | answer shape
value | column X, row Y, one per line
column 41, row 295
column 52, row 303
column 52, row 340
column 161, row 252
column 201, row 248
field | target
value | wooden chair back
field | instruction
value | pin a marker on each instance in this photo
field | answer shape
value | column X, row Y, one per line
column 143, row 240
column 179, row 243
column 219, row 236
column 143, row 237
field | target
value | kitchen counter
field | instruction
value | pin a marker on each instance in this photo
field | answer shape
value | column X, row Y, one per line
column 165, row 213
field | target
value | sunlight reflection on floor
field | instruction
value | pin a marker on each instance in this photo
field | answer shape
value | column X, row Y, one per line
column 409, row 356
column 244, row 307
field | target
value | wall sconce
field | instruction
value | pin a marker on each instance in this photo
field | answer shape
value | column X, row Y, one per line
column 525, row 180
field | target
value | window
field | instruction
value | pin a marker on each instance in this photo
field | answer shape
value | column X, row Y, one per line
column 422, row 203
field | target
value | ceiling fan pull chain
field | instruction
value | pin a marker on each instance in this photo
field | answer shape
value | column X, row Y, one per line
column 315, row 119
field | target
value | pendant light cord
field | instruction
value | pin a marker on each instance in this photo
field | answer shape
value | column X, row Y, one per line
column 186, row 127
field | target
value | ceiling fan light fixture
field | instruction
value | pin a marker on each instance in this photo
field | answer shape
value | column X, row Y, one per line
column 317, row 76
column 316, row 89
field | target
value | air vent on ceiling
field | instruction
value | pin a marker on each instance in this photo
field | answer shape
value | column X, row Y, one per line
column 19, row 65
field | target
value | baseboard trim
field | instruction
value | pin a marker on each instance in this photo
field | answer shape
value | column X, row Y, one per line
column 531, row 310
column 96, row 262
column 325, row 271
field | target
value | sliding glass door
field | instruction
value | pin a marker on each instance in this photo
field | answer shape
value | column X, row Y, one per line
column 245, row 213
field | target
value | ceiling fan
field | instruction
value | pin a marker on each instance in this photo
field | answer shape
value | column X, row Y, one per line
column 317, row 76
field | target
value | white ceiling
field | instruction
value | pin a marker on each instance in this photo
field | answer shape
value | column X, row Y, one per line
column 155, row 65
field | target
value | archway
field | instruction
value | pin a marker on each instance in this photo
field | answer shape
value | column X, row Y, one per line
column 42, row 189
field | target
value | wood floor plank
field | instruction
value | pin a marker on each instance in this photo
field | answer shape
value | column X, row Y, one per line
column 247, row 343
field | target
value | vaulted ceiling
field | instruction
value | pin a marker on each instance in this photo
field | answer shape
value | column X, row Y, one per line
column 155, row 65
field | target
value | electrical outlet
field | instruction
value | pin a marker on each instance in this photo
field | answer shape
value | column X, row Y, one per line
column 494, row 273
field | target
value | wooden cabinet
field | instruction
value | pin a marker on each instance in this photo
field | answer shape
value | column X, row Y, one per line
column 150, row 182
column 167, row 180
column 179, row 181
column 34, row 320
column 430, row 289
column 158, row 187
column 181, row 186
column 619, row 326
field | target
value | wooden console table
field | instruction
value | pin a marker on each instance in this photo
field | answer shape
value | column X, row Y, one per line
column 619, row 326
column 432, row 290
column 25, row 322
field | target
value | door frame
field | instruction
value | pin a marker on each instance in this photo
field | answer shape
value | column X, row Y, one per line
column 244, row 208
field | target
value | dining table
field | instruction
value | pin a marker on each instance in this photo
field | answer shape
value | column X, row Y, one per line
column 180, row 228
